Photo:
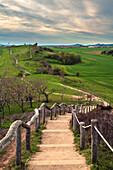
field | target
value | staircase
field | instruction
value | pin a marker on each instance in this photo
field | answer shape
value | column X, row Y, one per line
column 57, row 148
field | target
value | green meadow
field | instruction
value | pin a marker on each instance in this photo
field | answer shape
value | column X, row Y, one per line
column 95, row 70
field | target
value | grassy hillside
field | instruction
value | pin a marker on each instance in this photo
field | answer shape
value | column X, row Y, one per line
column 95, row 71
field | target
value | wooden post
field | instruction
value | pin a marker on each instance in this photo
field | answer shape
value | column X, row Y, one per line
column 55, row 111
column 82, row 135
column 63, row 108
column 81, row 108
column 18, row 146
column 51, row 114
column 28, row 138
column 73, row 107
column 39, row 119
column 43, row 115
column 94, row 140
column 74, row 120
column 36, row 124
column 69, row 109
column 59, row 110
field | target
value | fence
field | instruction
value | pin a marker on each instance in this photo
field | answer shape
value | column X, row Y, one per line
column 94, row 131
column 15, row 128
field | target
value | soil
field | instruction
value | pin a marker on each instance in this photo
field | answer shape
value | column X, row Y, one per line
column 94, row 52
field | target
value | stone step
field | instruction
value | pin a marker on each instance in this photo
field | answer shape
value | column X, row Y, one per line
column 56, row 162
column 54, row 155
column 57, row 147
column 59, row 167
column 57, row 125
column 57, row 137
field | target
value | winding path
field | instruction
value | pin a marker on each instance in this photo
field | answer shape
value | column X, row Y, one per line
column 87, row 93
column 16, row 63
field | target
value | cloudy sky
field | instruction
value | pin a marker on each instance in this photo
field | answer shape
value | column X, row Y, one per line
column 56, row 21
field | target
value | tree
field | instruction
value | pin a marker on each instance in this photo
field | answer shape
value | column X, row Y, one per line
column 41, row 87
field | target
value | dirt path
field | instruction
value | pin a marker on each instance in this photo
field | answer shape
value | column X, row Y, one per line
column 16, row 63
column 58, row 149
column 94, row 97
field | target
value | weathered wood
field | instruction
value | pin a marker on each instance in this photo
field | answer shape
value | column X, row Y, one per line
column 28, row 139
column 74, row 120
column 10, row 135
column 63, row 108
column 55, row 111
column 94, row 140
column 18, row 146
column 51, row 114
column 82, row 135
column 73, row 107
column 69, row 109
column 81, row 108
column 39, row 112
column 43, row 114
column 59, row 110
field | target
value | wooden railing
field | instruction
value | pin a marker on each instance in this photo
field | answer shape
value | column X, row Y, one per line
column 15, row 128
column 94, row 130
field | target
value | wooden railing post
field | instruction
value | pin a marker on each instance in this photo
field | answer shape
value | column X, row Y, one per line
column 73, row 107
column 18, row 146
column 28, row 138
column 59, row 110
column 51, row 114
column 43, row 115
column 74, row 119
column 81, row 108
column 39, row 119
column 89, row 107
column 69, row 109
column 82, row 135
column 63, row 108
column 94, row 140
column 55, row 111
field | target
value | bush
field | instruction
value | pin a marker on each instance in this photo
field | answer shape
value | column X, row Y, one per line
column 20, row 74
column 66, row 58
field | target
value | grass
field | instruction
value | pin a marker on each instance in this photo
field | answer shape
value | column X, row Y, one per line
column 105, row 156
column 36, row 137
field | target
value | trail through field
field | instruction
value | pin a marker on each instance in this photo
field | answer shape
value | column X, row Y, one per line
column 87, row 93
column 16, row 63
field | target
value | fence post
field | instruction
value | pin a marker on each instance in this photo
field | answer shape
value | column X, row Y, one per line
column 43, row 115
column 74, row 119
column 73, row 107
column 89, row 106
column 82, row 135
column 81, row 107
column 28, row 138
column 18, row 146
column 63, row 108
column 51, row 114
column 69, row 109
column 94, row 140
column 55, row 111
column 39, row 111
column 59, row 110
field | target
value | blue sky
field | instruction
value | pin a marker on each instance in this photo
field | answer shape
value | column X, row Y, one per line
column 56, row 21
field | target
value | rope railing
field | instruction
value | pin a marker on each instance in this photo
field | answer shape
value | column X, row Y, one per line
column 103, row 138
column 94, row 131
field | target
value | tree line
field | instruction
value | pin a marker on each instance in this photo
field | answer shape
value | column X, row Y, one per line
column 13, row 90
column 66, row 58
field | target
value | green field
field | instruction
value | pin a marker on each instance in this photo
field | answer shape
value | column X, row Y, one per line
column 95, row 71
